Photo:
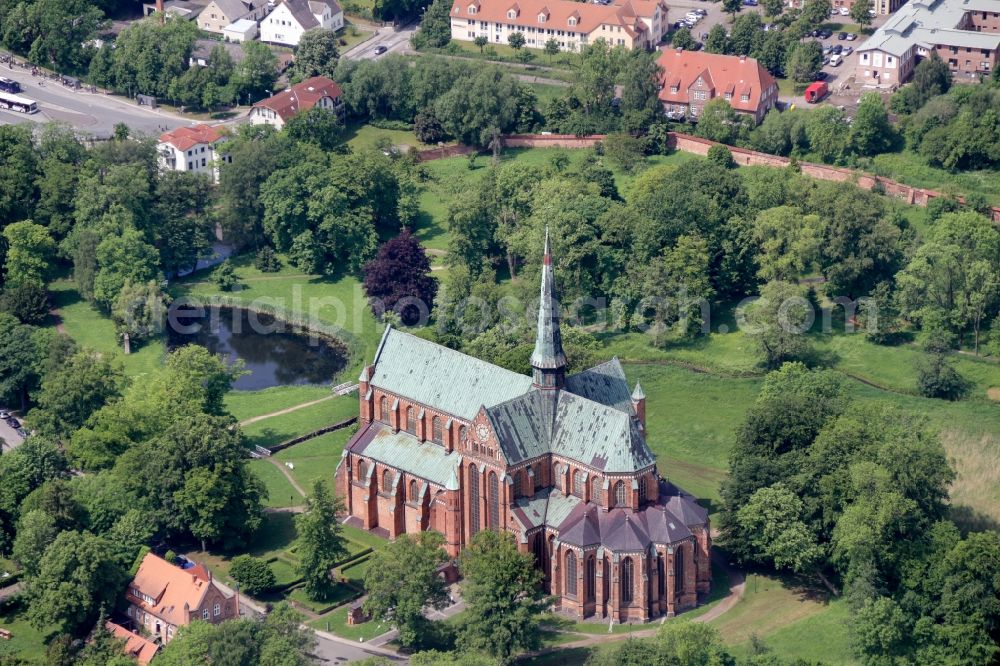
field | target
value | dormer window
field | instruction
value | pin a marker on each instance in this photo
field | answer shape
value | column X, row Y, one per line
column 572, row 20
column 674, row 89
column 541, row 18
column 472, row 9
column 512, row 14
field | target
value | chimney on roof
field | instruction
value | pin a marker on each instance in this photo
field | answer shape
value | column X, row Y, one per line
column 743, row 58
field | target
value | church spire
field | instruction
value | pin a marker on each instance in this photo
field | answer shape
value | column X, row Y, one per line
column 548, row 359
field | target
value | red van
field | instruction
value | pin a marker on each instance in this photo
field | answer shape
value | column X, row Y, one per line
column 816, row 91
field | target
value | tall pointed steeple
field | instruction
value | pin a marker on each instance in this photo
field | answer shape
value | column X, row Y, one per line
column 548, row 359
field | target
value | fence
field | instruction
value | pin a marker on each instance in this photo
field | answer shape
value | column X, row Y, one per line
column 744, row 157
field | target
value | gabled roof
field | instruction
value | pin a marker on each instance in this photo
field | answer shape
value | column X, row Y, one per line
column 443, row 378
column 405, row 452
column 137, row 647
column 682, row 68
column 558, row 12
column 301, row 97
column 174, row 591
column 599, row 436
column 232, row 9
column 184, row 138
column 604, row 383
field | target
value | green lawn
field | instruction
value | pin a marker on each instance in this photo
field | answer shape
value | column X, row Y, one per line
column 280, row 492
column 248, row 404
column 91, row 329
column 316, row 458
column 353, row 35
column 27, row 641
column 336, row 623
column 797, row 622
column 910, row 168
column 367, row 137
column 277, row 429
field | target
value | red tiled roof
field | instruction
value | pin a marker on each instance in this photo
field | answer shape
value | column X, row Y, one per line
column 557, row 14
column 301, row 97
column 185, row 137
column 137, row 647
column 720, row 74
column 175, row 591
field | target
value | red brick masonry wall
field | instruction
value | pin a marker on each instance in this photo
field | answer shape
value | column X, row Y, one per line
column 698, row 146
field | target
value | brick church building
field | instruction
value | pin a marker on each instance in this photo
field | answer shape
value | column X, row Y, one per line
column 453, row 444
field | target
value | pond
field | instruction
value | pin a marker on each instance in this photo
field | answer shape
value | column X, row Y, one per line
column 272, row 353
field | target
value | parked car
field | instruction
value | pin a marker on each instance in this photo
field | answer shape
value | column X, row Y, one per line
column 848, row 50
column 844, row 11
column 851, row 36
column 4, row 414
column 820, row 76
column 380, row 49
column 827, row 49
column 825, row 34
column 835, row 61
column 826, row 60
column 13, row 422
column 837, row 49
column 701, row 12
column 703, row 36
column 749, row 3
column 841, row 36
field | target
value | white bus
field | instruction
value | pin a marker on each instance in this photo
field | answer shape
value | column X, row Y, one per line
column 17, row 103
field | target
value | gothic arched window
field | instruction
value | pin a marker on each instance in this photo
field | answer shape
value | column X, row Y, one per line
column 436, row 435
column 596, row 490
column 620, row 499
column 571, row 573
column 387, row 480
column 661, row 575
column 518, row 484
column 473, row 500
column 383, row 409
column 362, row 470
column 494, row 500
column 642, row 489
column 578, row 483
column 414, row 489
column 679, row 571
column 461, row 434
column 628, row 577
column 411, row 421
column 590, row 579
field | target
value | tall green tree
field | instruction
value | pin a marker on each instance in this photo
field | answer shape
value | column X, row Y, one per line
column 29, row 251
column 77, row 577
column 321, row 543
column 860, row 12
column 316, row 54
column 871, row 131
column 18, row 358
column 402, row 580
column 503, row 592
column 257, row 71
column 79, row 387
column 789, row 242
column 435, row 26
column 778, row 323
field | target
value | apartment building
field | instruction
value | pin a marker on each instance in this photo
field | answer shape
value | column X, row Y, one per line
column 964, row 33
column 633, row 23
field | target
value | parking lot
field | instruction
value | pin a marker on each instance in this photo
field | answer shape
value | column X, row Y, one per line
column 839, row 77
column 10, row 437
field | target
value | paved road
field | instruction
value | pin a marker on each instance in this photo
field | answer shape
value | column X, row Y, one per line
column 11, row 438
column 395, row 41
column 95, row 114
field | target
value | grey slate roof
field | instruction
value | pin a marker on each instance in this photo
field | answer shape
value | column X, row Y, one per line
column 405, row 452
column 440, row 377
column 303, row 14
column 932, row 22
column 604, row 383
column 599, row 436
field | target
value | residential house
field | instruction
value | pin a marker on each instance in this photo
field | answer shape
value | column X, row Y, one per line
column 450, row 443
column 291, row 18
column 692, row 78
column 964, row 33
column 221, row 13
column 279, row 109
column 136, row 646
column 197, row 148
column 163, row 597
column 573, row 25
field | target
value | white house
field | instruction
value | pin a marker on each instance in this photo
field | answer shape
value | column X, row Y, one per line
column 291, row 18
column 243, row 30
column 197, row 148
column 279, row 109
column 220, row 13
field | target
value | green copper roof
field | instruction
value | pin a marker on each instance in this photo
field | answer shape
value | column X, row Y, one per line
column 405, row 452
column 604, row 383
column 548, row 352
column 440, row 377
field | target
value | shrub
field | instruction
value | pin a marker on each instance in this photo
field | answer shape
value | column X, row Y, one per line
column 252, row 573
column 937, row 378
column 224, row 276
column 721, row 156
column 267, row 260
column 28, row 301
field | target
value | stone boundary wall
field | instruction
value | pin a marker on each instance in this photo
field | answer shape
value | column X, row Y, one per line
column 744, row 157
